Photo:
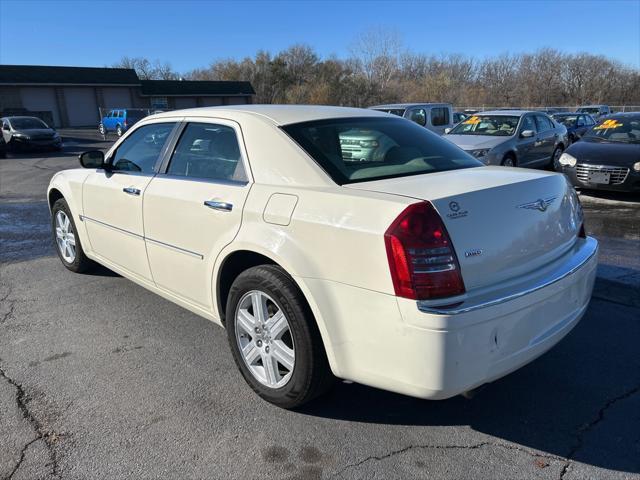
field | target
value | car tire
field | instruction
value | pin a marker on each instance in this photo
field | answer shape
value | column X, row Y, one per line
column 78, row 262
column 310, row 375
column 555, row 159
column 119, row 131
column 509, row 160
column 102, row 130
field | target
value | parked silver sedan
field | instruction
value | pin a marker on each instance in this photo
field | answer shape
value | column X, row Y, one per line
column 511, row 138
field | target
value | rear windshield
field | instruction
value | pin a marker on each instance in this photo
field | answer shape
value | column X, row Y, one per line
column 361, row 149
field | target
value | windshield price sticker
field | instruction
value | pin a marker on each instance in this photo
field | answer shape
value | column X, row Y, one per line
column 607, row 124
column 472, row 121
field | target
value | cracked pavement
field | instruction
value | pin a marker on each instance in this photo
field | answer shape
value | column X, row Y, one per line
column 101, row 378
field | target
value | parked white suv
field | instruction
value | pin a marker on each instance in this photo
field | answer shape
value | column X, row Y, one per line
column 436, row 117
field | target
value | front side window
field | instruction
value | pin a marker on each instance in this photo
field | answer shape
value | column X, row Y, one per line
column 140, row 151
column 208, row 151
column 543, row 123
column 492, row 125
column 370, row 148
column 439, row 116
column 528, row 124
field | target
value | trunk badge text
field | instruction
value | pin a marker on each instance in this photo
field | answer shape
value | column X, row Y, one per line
column 456, row 211
column 539, row 204
column 475, row 252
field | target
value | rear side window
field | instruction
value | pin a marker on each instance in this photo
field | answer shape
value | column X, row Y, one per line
column 370, row 148
column 419, row 116
column 439, row 116
column 208, row 151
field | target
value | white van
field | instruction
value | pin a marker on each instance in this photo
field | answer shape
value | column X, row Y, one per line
column 434, row 116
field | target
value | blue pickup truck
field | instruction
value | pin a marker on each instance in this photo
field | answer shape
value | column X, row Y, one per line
column 120, row 120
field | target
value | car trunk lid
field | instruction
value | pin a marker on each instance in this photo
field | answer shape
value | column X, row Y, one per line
column 503, row 222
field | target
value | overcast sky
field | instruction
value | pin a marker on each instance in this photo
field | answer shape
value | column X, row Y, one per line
column 191, row 34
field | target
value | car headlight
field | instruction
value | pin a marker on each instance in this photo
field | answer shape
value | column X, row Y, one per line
column 636, row 166
column 21, row 135
column 368, row 143
column 483, row 152
column 567, row 160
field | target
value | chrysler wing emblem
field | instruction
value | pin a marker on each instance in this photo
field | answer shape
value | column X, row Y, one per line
column 540, row 204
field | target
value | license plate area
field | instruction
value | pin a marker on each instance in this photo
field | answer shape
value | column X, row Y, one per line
column 599, row 177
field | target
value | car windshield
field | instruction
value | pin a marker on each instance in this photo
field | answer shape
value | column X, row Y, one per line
column 621, row 129
column 590, row 110
column 493, row 125
column 27, row 123
column 566, row 120
column 371, row 148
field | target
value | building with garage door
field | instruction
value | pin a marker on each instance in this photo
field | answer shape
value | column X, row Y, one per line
column 74, row 96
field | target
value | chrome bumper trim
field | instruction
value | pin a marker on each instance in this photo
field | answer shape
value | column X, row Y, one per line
column 576, row 263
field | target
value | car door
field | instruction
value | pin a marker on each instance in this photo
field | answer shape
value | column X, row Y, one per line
column 581, row 126
column 193, row 208
column 546, row 138
column 108, row 121
column 527, row 146
column 112, row 199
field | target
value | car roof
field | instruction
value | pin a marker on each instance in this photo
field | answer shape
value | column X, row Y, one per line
column 16, row 117
column 278, row 114
column 512, row 113
column 592, row 106
column 408, row 105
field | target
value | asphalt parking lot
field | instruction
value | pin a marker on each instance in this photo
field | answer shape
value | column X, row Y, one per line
column 100, row 378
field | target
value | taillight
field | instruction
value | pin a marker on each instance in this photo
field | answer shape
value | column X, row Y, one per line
column 421, row 258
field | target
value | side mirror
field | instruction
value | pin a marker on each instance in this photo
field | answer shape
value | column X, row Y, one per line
column 447, row 130
column 92, row 159
column 527, row 133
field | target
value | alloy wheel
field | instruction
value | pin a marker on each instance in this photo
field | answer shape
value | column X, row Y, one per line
column 264, row 339
column 65, row 237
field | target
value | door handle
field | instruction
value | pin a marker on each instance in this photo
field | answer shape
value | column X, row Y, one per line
column 217, row 205
column 131, row 191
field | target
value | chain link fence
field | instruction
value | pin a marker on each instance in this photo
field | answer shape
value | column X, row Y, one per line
column 553, row 108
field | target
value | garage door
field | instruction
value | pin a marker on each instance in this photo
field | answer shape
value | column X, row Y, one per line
column 211, row 101
column 81, row 107
column 41, row 99
column 185, row 102
column 116, row 98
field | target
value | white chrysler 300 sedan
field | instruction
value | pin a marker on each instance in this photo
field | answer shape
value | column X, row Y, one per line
column 412, row 268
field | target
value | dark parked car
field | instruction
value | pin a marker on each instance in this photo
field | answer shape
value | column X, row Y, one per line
column 596, row 111
column 120, row 120
column 20, row 133
column 608, row 157
column 577, row 124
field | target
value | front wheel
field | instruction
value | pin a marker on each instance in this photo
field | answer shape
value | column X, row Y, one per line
column 274, row 338
column 66, row 239
column 555, row 158
column 119, row 131
column 509, row 161
column 102, row 130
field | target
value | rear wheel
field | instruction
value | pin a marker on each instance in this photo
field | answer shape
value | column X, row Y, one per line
column 119, row 131
column 102, row 130
column 67, row 242
column 509, row 161
column 274, row 339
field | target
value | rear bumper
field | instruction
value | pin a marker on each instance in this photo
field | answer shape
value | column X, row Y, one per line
column 436, row 353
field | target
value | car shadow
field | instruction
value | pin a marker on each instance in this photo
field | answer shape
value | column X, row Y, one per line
column 612, row 196
column 579, row 400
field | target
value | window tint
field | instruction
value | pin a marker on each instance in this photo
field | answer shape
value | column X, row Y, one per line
column 528, row 124
column 141, row 149
column 369, row 148
column 419, row 116
column 120, row 114
column 543, row 123
column 581, row 121
column 439, row 116
column 590, row 120
column 208, row 151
